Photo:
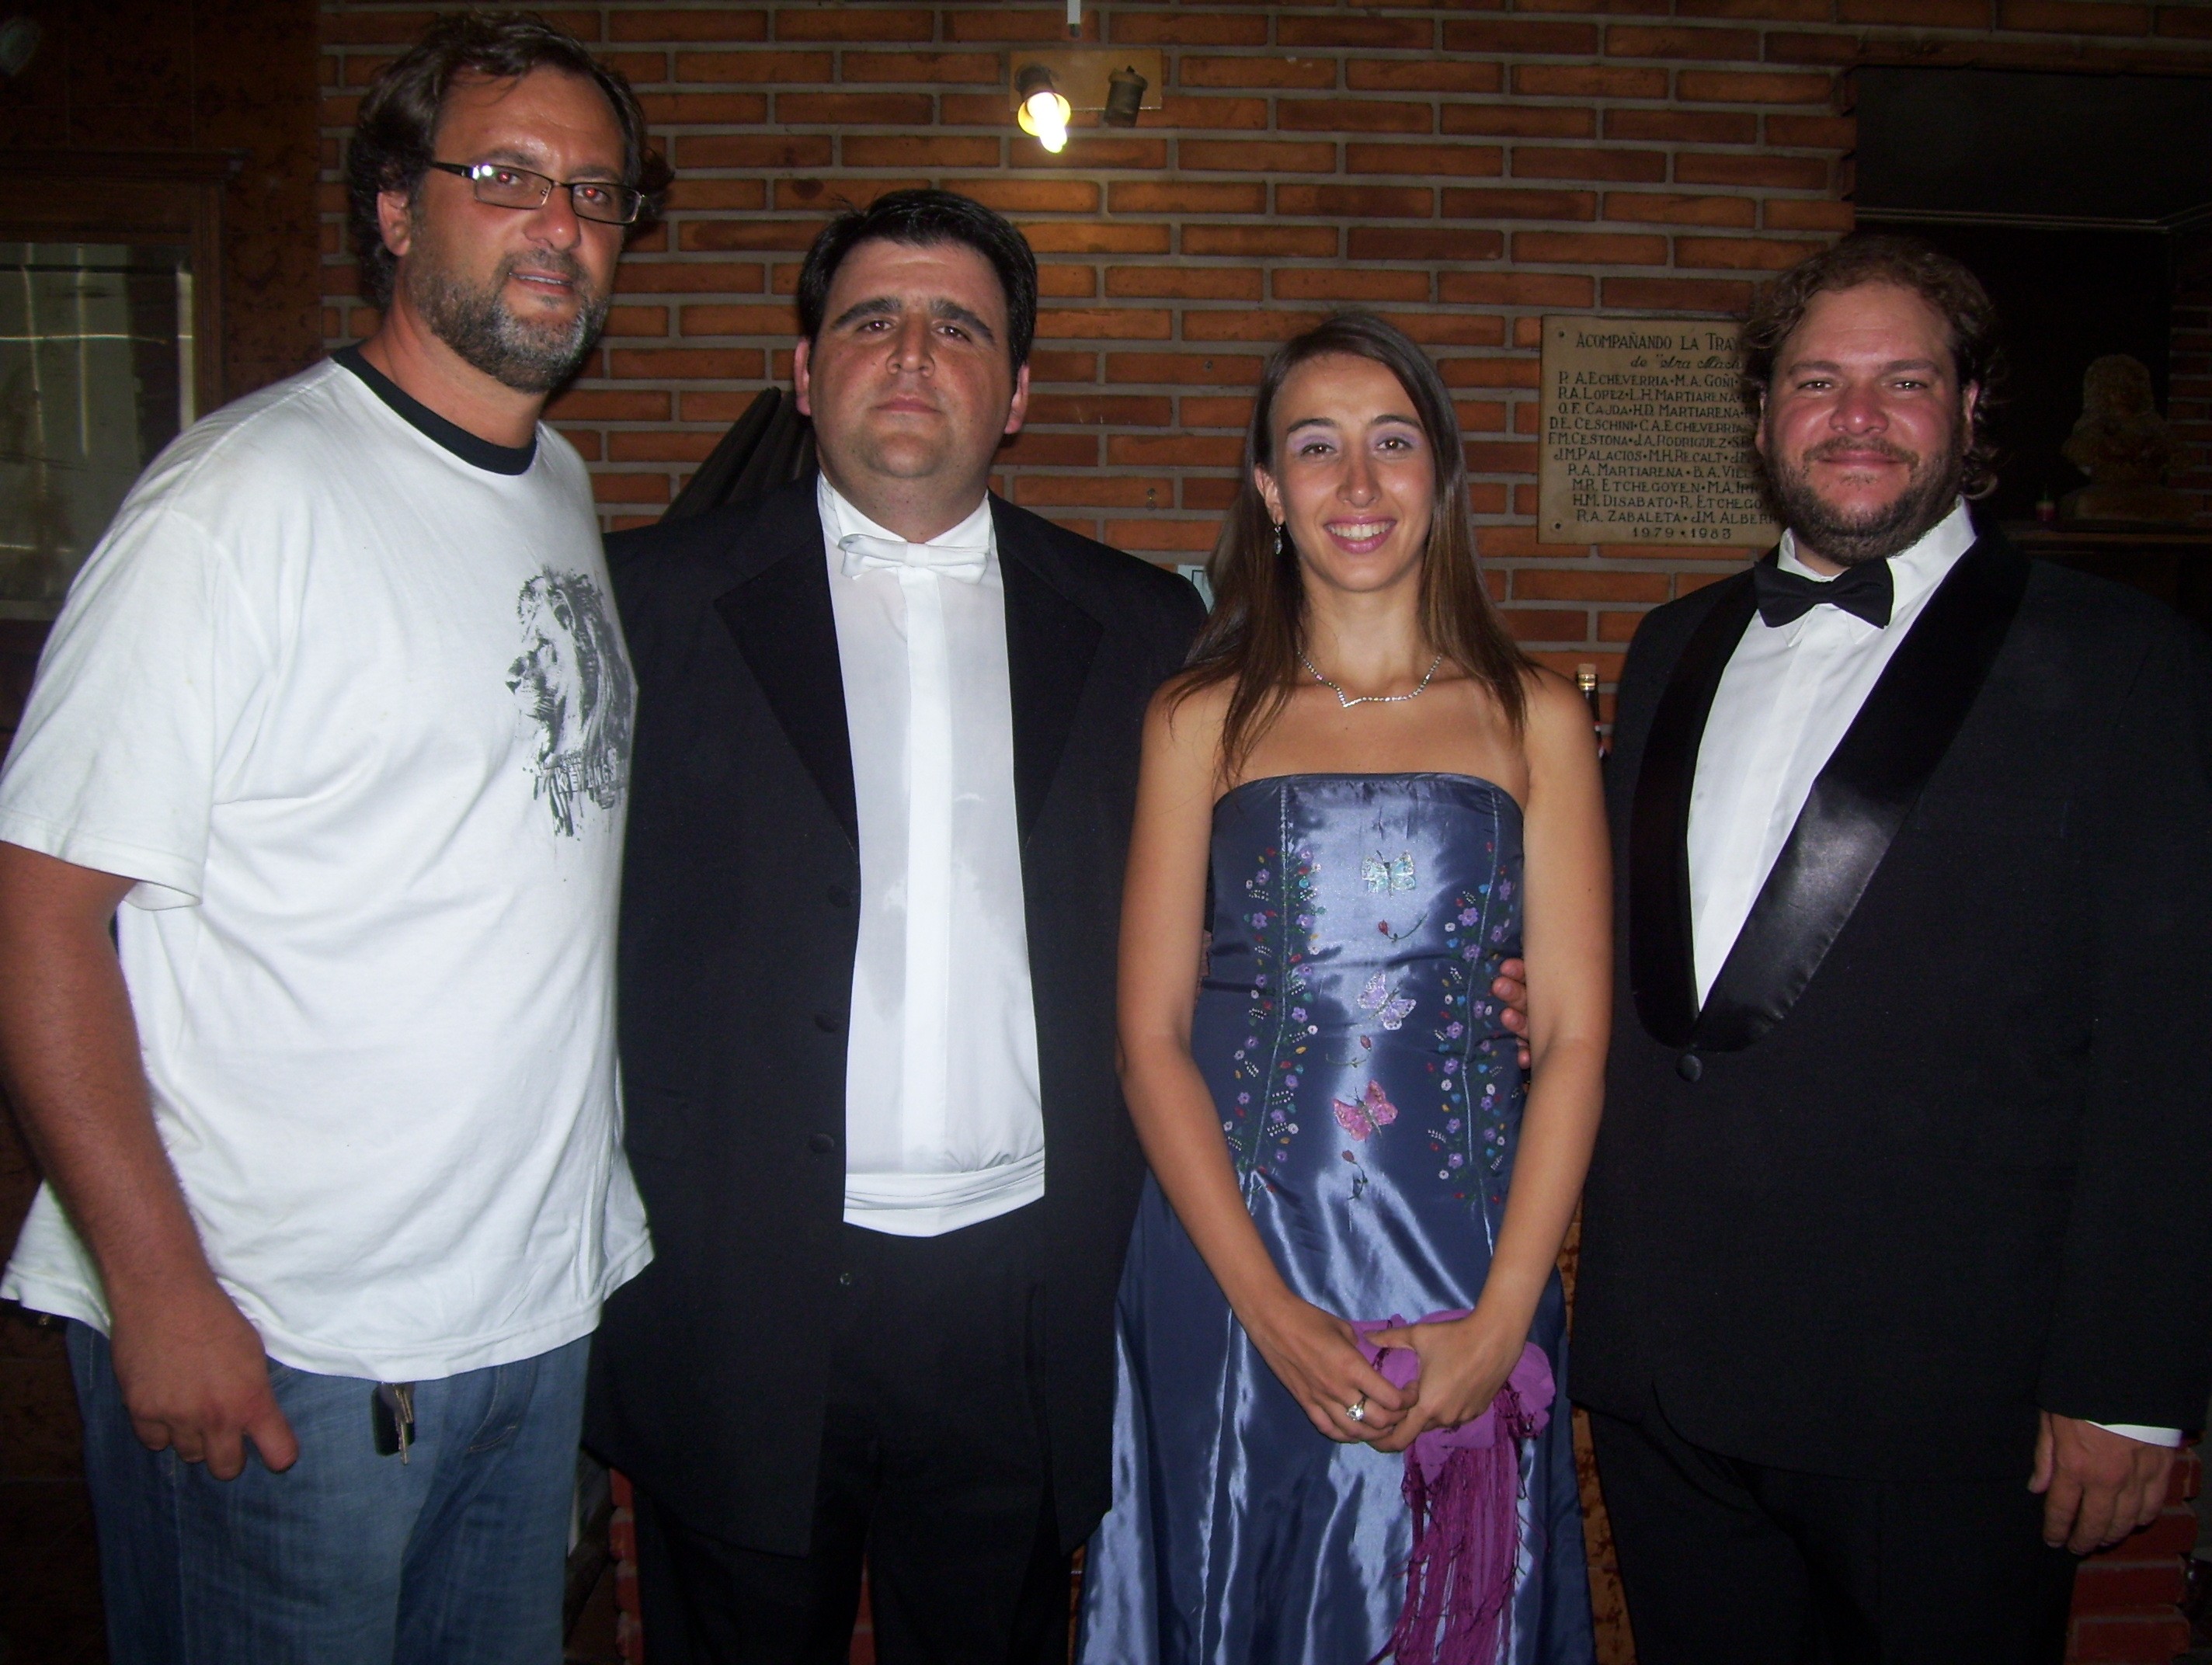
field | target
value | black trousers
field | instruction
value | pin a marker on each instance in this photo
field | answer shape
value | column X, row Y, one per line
column 934, row 1470
column 1731, row 1563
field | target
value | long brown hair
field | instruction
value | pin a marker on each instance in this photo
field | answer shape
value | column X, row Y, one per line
column 1258, row 628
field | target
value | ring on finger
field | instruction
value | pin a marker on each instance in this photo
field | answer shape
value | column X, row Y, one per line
column 1357, row 1409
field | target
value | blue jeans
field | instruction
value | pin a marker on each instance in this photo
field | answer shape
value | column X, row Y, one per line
column 456, row 1557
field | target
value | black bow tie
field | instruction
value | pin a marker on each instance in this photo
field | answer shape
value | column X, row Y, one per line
column 1865, row 591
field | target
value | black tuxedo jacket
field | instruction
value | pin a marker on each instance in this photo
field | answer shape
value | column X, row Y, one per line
column 1937, row 1150
column 739, row 925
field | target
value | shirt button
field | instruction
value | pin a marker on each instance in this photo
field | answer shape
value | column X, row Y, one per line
column 840, row 896
column 826, row 1022
column 1690, row 1067
column 822, row 1145
column 844, row 1280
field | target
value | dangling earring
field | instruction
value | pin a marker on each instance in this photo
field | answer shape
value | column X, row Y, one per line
column 1283, row 539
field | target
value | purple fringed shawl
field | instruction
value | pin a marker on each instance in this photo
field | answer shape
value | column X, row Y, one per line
column 1463, row 1485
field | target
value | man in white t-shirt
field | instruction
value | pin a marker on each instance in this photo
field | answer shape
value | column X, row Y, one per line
column 334, row 730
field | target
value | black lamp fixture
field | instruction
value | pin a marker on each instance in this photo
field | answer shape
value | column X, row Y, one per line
column 1125, row 96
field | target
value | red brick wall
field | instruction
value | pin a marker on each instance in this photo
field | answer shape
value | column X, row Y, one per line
column 2126, row 1600
column 1461, row 167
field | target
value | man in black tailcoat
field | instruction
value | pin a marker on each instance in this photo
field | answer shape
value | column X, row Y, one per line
column 885, row 759
column 1896, row 1285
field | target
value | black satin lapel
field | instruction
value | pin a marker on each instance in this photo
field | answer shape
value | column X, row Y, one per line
column 1050, row 642
column 1862, row 796
column 783, row 624
column 1662, row 968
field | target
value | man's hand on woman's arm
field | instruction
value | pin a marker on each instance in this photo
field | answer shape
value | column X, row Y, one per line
column 1511, row 985
column 191, row 1367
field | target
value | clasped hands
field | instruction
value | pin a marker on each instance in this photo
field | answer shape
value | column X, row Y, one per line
column 1316, row 1354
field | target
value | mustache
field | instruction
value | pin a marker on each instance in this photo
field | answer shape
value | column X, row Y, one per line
column 1840, row 443
column 559, row 262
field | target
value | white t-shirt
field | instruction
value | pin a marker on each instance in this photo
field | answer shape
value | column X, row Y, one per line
column 344, row 691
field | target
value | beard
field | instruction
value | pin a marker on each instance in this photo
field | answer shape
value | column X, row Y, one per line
column 529, row 356
column 1853, row 538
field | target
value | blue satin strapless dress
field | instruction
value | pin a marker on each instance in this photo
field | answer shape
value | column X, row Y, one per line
column 1372, row 1101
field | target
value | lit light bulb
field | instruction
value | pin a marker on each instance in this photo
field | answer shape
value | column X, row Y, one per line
column 1044, row 113
column 1047, row 118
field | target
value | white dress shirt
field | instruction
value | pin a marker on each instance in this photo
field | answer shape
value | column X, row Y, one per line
column 1783, row 703
column 1788, row 695
column 944, row 1119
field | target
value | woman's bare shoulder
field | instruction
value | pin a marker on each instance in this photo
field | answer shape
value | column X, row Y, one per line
column 1189, row 701
column 1557, row 716
column 1183, row 723
column 1551, row 696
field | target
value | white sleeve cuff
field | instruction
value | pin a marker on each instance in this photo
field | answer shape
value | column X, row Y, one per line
column 2165, row 1436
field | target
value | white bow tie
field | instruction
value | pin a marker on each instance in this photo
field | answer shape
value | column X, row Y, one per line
column 865, row 552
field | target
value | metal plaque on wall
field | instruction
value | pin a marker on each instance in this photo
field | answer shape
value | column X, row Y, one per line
column 1645, row 439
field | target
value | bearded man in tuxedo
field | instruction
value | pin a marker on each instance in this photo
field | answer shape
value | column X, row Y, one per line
column 1896, row 1290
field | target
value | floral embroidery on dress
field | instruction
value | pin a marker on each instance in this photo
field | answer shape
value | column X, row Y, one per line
column 1281, row 910
column 1479, row 1065
column 1410, row 1036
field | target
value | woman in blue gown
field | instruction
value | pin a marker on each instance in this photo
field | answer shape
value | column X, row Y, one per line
column 1360, row 802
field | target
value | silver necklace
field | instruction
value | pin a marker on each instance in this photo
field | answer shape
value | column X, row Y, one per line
column 1346, row 702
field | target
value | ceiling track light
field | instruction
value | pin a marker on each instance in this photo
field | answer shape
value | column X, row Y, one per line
column 1043, row 112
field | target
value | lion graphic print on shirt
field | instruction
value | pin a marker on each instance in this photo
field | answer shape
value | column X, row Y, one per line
column 572, row 688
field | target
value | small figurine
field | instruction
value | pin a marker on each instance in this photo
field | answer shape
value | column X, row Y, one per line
column 2124, row 445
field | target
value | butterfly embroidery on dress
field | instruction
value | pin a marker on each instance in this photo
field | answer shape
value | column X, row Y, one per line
column 1379, row 872
column 1391, row 1009
column 1371, row 1114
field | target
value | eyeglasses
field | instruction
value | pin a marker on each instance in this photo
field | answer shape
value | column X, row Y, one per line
column 506, row 186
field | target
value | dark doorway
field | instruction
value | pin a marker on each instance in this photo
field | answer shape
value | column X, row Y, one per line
column 2064, row 297
column 2066, row 194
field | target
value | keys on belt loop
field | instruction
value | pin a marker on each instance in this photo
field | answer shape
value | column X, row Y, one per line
column 392, row 1412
